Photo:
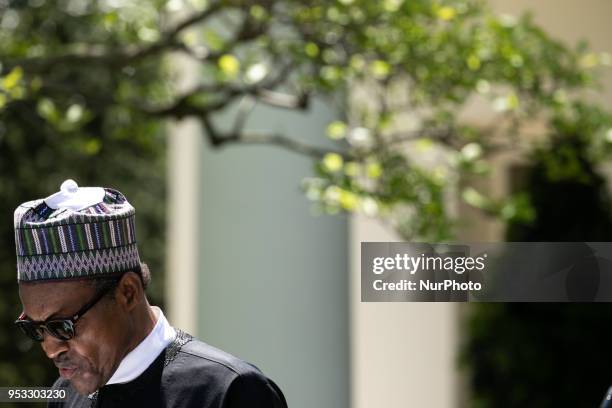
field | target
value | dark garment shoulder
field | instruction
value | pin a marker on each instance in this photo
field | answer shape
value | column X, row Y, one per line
column 187, row 374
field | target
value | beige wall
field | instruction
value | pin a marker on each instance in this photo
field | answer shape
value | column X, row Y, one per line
column 571, row 21
column 404, row 354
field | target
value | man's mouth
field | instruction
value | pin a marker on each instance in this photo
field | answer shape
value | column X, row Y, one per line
column 67, row 372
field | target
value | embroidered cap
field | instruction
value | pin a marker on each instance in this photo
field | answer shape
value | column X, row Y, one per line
column 78, row 232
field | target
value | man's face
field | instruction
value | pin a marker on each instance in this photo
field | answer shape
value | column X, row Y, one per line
column 89, row 359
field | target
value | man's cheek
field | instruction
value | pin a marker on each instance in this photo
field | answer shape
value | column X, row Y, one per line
column 88, row 378
column 98, row 362
column 86, row 360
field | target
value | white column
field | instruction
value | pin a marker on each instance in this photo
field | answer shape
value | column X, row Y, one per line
column 184, row 145
column 402, row 354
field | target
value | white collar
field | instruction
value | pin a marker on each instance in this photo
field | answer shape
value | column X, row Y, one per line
column 139, row 359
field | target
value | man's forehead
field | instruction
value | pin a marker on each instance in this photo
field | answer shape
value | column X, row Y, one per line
column 52, row 299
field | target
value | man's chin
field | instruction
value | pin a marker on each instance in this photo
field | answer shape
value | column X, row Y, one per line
column 83, row 386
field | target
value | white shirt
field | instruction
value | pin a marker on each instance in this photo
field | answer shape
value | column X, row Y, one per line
column 143, row 355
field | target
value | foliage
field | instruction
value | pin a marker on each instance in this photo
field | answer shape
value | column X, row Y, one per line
column 408, row 69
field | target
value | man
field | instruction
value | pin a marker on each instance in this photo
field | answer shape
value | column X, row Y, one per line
column 82, row 287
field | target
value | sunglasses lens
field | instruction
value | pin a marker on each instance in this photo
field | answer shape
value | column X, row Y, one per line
column 31, row 330
column 62, row 329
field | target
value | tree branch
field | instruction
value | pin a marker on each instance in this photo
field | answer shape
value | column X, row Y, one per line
column 282, row 141
column 218, row 139
column 247, row 104
column 227, row 93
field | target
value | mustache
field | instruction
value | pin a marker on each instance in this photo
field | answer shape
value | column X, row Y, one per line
column 64, row 362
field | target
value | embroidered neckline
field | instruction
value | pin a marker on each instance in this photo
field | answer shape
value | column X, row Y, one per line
column 93, row 397
column 171, row 352
column 173, row 349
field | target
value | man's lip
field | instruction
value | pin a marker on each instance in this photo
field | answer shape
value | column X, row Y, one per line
column 67, row 372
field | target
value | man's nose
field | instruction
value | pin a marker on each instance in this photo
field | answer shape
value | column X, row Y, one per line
column 53, row 346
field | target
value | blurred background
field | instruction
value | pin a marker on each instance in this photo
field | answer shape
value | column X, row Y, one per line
column 262, row 141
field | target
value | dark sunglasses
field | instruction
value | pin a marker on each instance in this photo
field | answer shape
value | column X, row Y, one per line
column 62, row 329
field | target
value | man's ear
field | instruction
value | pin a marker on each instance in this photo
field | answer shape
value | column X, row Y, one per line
column 129, row 291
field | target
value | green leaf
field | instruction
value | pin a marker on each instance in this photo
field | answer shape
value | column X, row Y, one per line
column 11, row 80
column 446, row 13
column 74, row 113
column 380, row 69
column 229, row 65
column 336, row 130
column 332, row 162
column 213, row 40
column 311, row 49
column 476, row 199
column 348, row 200
column 46, row 109
column 352, row 169
column 374, row 170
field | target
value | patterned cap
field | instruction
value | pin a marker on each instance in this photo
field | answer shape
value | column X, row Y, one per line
column 79, row 232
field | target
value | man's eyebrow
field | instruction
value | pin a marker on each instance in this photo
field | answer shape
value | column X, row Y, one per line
column 52, row 316
column 57, row 315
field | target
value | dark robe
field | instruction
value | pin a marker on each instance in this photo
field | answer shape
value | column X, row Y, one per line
column 187, row 374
